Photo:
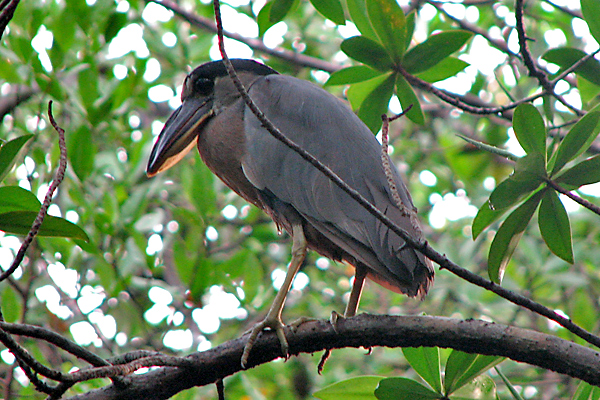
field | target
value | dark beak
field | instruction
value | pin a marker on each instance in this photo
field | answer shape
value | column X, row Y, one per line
column 179, row 134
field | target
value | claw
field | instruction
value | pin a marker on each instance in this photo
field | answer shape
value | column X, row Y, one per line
column 296, row 324
column 333, row 320
column 273, row 318
column 273, row 324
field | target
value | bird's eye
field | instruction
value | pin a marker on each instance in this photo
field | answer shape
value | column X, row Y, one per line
column 203, row 86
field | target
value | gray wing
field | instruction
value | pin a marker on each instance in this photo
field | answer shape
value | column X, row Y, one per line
column 325, row 127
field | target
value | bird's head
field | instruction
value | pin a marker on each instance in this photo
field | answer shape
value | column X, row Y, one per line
column 203, row 89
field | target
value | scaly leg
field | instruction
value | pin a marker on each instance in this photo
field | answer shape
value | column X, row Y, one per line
column 273, row 318
column 352, row 306
column 357, row 287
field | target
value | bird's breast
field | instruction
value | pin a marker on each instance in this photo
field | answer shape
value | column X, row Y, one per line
column 222, row 145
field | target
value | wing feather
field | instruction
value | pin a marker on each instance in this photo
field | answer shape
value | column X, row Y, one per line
column 325, row 127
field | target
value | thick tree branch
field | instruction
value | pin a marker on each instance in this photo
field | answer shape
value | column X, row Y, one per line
column 472, row 336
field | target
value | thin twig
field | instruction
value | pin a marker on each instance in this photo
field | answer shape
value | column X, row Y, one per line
column 459, row 102
column 55, row 339
column 112, row 371
column 22, row 354
column 40, row 385
column 37, row 223
column 573, row 67
column 6, row 13
column 500, row 45
column 534, row 71
column 385, row 160
column 581, row 201
column 566, row 10
column 220, row 389
column 323, row 360
column 256, row 44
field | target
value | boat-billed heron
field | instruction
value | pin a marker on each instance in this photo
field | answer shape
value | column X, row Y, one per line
column 313, row 210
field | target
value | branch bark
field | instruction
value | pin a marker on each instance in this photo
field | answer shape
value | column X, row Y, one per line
column 472, row 336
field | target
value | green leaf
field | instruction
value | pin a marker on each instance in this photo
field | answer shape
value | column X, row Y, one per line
column 532, row 163
column 250, row 272
column 565, row 57
column 403, row 389
column 279, row 9
column 15, row 198
column 508, row 237
column 530, row 130
column 82, row 14
column 376, row 104
column 445, row 69
column 367, row 52
column 481, row 388
column 512, row 190
column 358, row 92
column 433, row 50
column 548, row 106
column 489, row 148
column 587, row 90
column 584, row 173
column 88, row 85
column 358, row 12
column 63, row 29
column 331, row 9
column 346, row 76
column 114, row 23
column 462, row 368
column 263, row 19
column 458, row 363
column 81, row 151
column 389, row 22
column 484, row 218
column 198, row 184
column 426, row 362
column 585, row 391
column 408, row 98
column 591, row 13
column 19, row 222
column 410, row 29
column 9, row 152
column 360, row 388
column 578, row 139
column 8, row 72
column 513, row 391
column 554, row 226
column 8, row 295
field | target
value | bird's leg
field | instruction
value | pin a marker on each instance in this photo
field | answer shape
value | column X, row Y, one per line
column 352, row 306
column 273, row 318
column 357, row 287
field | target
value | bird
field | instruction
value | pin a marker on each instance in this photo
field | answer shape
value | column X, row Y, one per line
column 317, row 214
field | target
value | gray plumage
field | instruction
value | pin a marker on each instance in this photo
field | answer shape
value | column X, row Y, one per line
column 238, row 149
column 332, row 133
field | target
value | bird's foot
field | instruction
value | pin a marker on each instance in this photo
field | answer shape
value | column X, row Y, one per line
column 334, row 318
column 274, row 324
column 296, row 324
